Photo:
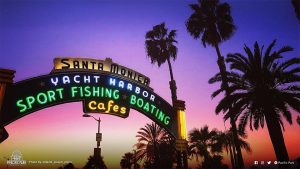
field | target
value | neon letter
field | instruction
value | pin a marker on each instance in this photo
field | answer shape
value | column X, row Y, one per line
column 140, row 102
column 75, row 79
column 87, row 91
column 60, row 90
column 116, row 94
column 129, row 86
column 87, row 79
column 110, row 103
column 112, row 81
column 66, row 79
column 54, row 82
column 90, row 105
column 167, row 120
column 132, row 99
column 123, row 110
column 137, row 90
column 96, row 78
column 43, row 100
column 30, row 100
column 152, row 97
column 21, row 105
column 73, row 91
column 161, row 116
column 51, row 95
column 145, row 93
column 121, row 84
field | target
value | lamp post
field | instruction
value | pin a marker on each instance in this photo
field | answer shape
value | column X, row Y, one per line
column 97, row 151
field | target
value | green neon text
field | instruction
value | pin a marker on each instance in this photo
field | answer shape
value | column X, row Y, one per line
column 89, row 91
column 149, row 108
column 40, row 98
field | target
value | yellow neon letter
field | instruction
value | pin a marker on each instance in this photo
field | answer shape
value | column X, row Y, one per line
column 109, row 105
column 91, row 103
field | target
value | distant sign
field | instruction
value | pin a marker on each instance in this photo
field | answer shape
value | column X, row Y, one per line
column 93, row 65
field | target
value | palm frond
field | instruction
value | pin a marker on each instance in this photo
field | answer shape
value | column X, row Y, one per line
column 215, row 78
column 288, row 63
column 285, row 49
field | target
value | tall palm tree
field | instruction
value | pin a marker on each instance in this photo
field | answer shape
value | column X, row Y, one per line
column 263, row 91
column 149, row 138
column 212, row 22
column 226, row 141
column 160, row 46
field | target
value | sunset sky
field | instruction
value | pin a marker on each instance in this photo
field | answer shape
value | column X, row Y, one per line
column 33, row 33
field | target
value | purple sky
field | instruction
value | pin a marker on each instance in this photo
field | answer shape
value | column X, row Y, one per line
column 32, row 33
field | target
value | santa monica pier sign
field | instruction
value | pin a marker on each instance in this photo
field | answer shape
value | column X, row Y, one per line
column 101, row 85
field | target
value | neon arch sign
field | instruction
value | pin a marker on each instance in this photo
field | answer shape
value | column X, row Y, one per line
column 101, row 85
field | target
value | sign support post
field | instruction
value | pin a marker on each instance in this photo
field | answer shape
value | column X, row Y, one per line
column 6, row 78
column 97, row 152
column 181, row 142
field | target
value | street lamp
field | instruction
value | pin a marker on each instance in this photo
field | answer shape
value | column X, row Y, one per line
column 98, row 120
column 97, row 151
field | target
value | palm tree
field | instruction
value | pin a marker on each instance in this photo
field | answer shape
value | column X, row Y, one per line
column 296, row 4
column 153, row 145
column 160, row 46
column 127, row 161
column 205, row 143
column 226, row 141
column 263, row 90
column 212, row 22
column 214, row 162
column 68, row 166
column 95, row 163
column 167, row 152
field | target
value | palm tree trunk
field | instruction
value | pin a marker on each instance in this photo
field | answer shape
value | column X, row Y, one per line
column 170, row 69
column 277, row 138
column 172, row 82
column 155, row 153
column 222, row 68
column 237, row 151
column 232, row 158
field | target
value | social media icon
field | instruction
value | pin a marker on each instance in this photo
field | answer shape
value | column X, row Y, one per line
column 255, row 162
column 269, row 162
column 275, row 162
column 262, row 162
